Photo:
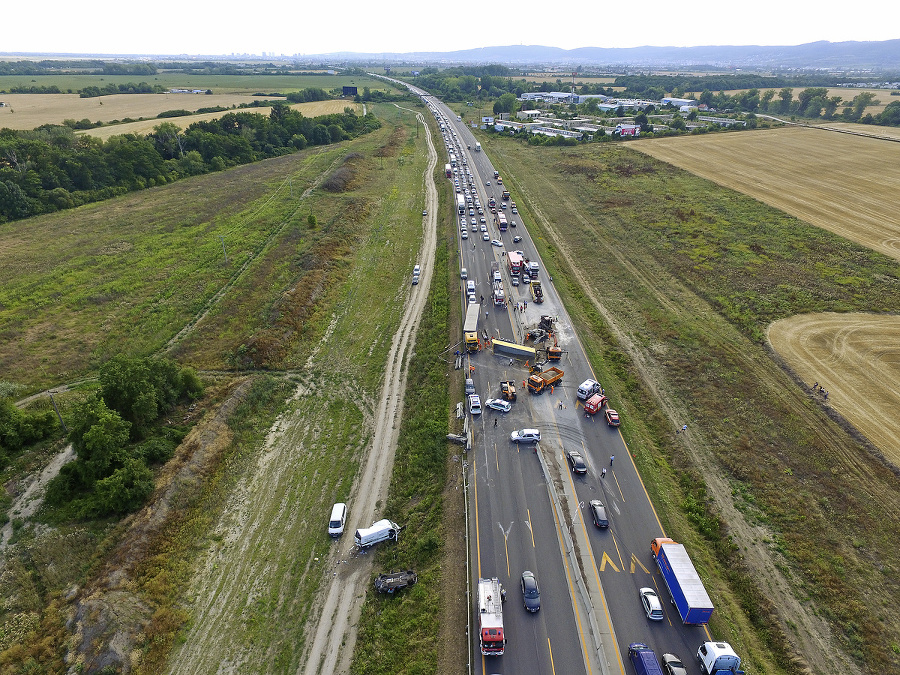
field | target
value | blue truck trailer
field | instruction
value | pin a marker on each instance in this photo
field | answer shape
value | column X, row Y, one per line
column 685, row 587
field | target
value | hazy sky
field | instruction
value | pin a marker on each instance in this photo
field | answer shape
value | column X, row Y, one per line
column 310, row 27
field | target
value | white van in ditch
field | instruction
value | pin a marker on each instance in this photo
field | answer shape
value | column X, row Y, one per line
column 338, row 519
column 380, row 531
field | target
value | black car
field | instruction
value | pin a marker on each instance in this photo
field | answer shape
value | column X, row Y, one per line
column 530, row 591
column 576, row 461
column 395, row 581
column 598, row 513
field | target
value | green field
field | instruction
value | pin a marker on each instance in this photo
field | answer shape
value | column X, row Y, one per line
column 133, row 273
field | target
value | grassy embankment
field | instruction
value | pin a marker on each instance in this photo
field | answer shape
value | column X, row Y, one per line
column 403, row 633
column 691, row 274
column 302, row 281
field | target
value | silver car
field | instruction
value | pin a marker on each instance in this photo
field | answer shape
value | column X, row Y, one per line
column 525, row 436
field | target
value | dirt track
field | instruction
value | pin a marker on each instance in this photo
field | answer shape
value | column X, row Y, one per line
column 333, row 630
column 856, row 358
column 228, row 586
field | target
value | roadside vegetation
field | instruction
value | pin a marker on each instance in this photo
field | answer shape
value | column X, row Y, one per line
column 673, row 281
column 51, row 169
column 299, row 268
column 399, row 633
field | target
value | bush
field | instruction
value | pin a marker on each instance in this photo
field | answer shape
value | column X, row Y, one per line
column 156, row 450
column 124, row 491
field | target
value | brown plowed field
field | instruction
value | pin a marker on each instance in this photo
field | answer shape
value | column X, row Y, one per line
column 856, row 358
column 842, row 183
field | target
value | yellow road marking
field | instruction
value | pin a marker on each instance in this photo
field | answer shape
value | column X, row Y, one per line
column 618, row 552
column 530, row 527
column 621, row 494
column 552, row 665
column 634, row 559
column 606, row 559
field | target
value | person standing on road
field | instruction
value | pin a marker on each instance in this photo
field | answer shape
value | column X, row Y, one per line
column 603, row 473
column 611, row 458
column 495, row 421
column 485, row 314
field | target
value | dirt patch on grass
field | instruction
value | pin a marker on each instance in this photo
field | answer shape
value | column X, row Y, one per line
column 856, row 359
column 111, row 614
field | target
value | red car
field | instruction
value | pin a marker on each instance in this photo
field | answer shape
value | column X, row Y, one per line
column 612, row 417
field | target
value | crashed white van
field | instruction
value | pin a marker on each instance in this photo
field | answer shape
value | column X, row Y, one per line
column 380, row 531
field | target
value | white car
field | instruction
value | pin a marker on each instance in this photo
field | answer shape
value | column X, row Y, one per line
column 652, row 606
column 517, row 239
column 482, row 220
column 484, row 228
column 474, row 404
column 498, row 404
column 525, row 436
column 464, row 234
column 485, row 236
column 496, row 242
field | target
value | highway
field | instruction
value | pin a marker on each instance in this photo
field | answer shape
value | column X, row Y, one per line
column 528, row 511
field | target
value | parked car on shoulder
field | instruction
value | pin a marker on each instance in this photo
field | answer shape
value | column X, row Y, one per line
column 612, row 417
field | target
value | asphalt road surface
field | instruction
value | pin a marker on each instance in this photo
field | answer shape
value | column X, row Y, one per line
column 529, row 511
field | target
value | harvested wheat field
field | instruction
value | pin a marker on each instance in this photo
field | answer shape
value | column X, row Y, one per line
column 840, row 182
column 27, row 111
column 312, row 109
column 856, row 358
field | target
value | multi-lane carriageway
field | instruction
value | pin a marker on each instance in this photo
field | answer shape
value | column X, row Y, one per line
column 528, row 511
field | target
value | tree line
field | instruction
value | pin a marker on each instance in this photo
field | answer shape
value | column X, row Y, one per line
column 51, row 168
column 760, row 94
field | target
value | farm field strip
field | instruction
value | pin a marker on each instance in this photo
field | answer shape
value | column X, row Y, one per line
column 856, row 357
column 28, row 111
column 312, row 109
column 843, row 184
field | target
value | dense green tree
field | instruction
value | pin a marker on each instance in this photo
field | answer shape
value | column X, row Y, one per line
column 890, row 116
column 100, row 437
column 787, row 96
column 123, row 491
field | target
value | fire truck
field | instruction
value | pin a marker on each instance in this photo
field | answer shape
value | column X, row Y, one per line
column 516, row 260
column 490, row 617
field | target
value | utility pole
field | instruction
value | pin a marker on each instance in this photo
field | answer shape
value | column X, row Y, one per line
column 50, row 392
column 224, row 252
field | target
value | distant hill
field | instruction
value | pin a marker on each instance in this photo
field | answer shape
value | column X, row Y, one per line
column 883, row 55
